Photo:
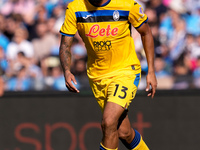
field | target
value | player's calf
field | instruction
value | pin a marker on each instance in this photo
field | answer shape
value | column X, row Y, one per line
column 136, row 144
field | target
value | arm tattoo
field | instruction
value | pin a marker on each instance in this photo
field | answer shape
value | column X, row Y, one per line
column 65, row 52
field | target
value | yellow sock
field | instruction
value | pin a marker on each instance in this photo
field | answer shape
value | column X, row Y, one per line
column 104, row 148
column 141, row 146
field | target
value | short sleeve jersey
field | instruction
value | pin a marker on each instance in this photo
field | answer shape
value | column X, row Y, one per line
column 106, row 33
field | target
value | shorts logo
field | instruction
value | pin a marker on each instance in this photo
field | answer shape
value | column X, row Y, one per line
column 102, row 45
column 95, row 31
column 116, row 15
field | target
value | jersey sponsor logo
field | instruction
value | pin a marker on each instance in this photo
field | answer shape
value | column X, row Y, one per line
column 116, row 15
column 96, row 31
column 102, row 45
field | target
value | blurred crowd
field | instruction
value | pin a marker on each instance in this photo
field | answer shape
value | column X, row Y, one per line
column 175, row 26
column 29, row 45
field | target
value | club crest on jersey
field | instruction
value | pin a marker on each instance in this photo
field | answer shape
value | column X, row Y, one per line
column 116, row 15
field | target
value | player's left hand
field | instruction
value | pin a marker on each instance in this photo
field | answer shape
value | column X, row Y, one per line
column 151, row 84
column 69, row 78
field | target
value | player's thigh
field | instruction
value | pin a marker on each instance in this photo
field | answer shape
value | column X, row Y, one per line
column 111, row 115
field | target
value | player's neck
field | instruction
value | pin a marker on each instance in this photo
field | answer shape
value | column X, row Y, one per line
column 98, row 3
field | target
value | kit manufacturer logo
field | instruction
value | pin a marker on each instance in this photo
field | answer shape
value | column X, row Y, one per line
column 87, row 16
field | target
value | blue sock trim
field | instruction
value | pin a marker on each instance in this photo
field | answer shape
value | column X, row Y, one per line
column 135, row 141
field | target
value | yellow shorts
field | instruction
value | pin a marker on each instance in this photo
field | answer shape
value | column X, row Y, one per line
column 119, row 89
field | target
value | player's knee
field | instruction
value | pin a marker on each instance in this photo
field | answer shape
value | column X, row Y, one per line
column 108, row 125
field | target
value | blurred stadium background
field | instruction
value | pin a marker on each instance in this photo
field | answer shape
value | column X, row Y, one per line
column 38, row 113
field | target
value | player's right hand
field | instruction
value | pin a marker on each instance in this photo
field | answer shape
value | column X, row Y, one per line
column 69, row 78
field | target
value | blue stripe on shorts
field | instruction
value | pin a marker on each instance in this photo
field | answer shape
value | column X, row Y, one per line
column 137, row 80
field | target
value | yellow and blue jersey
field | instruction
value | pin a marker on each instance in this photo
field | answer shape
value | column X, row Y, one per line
column 106, row 33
